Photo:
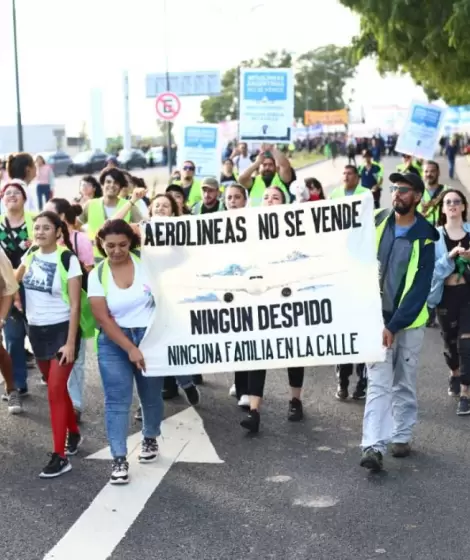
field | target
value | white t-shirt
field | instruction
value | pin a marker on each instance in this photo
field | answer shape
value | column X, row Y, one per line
column 242, row 163
column 132, row 307
column 44, row 303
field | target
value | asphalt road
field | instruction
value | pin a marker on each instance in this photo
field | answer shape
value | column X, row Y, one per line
column 296, row 491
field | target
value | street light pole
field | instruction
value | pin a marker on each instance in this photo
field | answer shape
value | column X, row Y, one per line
column 19, row 125
column 167, row 74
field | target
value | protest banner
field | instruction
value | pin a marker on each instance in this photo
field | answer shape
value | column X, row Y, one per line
column 340, row 116
column 266, row 104
column 420, row 133
column 265, row 287
column 200, row 143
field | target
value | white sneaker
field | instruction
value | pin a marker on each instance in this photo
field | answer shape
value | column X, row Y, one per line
column 233, row 391
column 244, row 402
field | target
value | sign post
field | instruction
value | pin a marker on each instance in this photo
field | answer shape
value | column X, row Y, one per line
column 168, row 107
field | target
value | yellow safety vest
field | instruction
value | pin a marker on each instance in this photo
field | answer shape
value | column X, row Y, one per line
column 97, row 217
column 195, row 192
column 433, row 214
column 381, row 219
column 28, row 220
column 339, row 192
column 259, row 186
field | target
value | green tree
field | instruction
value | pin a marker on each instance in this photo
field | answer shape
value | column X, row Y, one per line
column 320, row 78
column 427, row 38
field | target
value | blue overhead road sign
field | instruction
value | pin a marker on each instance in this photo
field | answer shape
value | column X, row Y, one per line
column 184, row 84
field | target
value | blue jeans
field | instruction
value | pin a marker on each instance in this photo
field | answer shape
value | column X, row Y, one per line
column 77, row 377
column 43, row 191
column 117, row 375
column 15, row 334
column 451, row 168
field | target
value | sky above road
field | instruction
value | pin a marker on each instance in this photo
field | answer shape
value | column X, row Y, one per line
column 67, row 47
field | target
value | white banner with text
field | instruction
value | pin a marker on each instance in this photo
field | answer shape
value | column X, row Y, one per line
column 269, row 287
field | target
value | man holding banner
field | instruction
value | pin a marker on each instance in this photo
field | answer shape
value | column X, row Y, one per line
column 405, row 246
column 274, row 171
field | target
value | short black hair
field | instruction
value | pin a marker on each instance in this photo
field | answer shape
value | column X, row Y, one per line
column 116, row 174
column 352, row 168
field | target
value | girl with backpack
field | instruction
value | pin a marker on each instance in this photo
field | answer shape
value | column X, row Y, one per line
column 52, row 279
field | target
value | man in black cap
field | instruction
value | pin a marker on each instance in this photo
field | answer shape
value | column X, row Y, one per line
column 406, row 256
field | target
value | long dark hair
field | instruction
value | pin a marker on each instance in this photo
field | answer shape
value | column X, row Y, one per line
column 116, row 227
column 59, row 225
column 174, row 206
column 442, row 219
column 312, row 183
column 70, row 211
column 17, row 165
column 94, row 183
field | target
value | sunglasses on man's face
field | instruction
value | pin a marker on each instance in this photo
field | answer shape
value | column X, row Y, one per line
column 400, row 189
column 188, row 168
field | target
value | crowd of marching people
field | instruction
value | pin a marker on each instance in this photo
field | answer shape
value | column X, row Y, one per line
column 71, row 273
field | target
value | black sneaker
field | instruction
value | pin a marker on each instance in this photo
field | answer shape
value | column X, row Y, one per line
column 360, row 391
column 193, row 396
column 148, row 451
column 21, row 392
column 57, row 465
column 15, row 405
column 372, row 460
column 119, row 471
column 341, row 393
column 463, row 408
column 138, row 414
column 73, row 443
column 454, row 386
column 251, row 422
column 197, row 379
column 296, row 411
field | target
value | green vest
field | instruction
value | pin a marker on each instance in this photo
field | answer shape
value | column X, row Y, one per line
column 259, row 186
column 433, row 214
column 103, row 271
column 381, row 219
column 97, row 217
column 28, row 220
column 197, row 208
column 195, row 192
column 87, row 321
column 339, row 192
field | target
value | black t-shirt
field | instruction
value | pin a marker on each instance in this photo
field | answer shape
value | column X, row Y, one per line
column 205, row 210
column 452, row 243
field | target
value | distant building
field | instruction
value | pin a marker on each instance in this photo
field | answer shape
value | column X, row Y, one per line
column 36, row 138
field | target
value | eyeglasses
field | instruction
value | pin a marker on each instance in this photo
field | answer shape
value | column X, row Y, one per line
column 188, row 168
column 13, row 193
column 400, row 189
column 454, row 202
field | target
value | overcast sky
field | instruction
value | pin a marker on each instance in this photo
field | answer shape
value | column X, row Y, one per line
column 89, row 43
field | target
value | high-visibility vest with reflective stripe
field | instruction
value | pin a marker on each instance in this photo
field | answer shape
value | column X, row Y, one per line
column 381, row 219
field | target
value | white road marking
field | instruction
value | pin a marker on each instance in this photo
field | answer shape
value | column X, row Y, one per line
column 104, row 524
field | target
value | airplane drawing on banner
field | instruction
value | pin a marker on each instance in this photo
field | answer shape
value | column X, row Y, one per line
column 222, row 285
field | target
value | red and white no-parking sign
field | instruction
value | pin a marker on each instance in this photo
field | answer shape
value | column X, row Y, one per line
column 168, row 105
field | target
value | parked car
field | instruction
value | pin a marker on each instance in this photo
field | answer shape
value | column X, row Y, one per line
column 60, row 162
column 154, row 156
column 88, row 162
column 130, row 159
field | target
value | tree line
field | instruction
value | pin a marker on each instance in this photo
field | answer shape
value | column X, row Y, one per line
column 426, row 38
column 320, row 79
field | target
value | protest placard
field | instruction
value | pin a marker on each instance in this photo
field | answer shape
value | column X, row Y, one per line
column 265, row 287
